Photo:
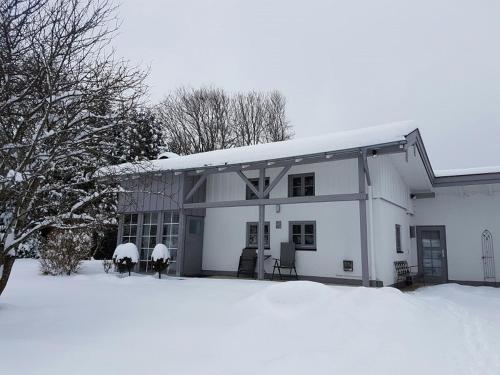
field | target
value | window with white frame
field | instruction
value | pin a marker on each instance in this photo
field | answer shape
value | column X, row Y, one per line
column 129, row 233
column 148, row 240
column 170, row 233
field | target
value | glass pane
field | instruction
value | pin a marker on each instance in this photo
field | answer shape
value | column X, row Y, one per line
column 152, row 230
column 309, row 181
column 296, row 229
column 296, row 182
column 175, row 217
column 436, row 243
column 309, row 191
column 309, row 229
column 167, row 217
column 252, row 240
column 296, row 192
column 309, row 239
column 296, row 239
column 266, row 240
column 253, row 229
column 426, row 242
column 266, row 229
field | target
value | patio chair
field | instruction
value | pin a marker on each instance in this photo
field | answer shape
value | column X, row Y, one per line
column 248, row 261
column 286, row 260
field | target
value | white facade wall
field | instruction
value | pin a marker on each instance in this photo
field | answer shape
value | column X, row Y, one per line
column 337, row 223
column 391, row 205
column 465, row 212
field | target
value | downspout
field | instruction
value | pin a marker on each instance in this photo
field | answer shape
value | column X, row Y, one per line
column 371, row 231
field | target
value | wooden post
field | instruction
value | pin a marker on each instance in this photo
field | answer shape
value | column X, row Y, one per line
column 262, row 221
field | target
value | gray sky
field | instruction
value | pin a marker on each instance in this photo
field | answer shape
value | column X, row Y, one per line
column 340, row 64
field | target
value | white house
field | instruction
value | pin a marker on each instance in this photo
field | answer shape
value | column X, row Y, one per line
column 353, row 202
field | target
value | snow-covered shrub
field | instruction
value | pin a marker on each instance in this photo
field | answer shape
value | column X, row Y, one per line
column 126, row 257
column 64, row 250
column 161, row 258
column 107, row 264
column 29, row 248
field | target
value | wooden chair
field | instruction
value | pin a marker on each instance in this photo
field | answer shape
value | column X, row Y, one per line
column 286, row 260
column 403, row 272
column 248, row 261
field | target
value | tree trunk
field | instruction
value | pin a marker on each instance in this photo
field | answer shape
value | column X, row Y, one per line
column 6, row 263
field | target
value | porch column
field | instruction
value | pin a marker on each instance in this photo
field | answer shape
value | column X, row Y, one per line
column 182, row 229
column 363, row 222
column 262, row 221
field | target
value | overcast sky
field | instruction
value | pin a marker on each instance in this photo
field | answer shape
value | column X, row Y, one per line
column 340, row 64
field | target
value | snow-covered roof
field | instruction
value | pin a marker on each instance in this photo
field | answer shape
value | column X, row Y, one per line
column 339, row 141
column 466, row 171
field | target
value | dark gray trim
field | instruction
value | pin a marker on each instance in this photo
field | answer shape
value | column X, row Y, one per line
column 195, row 187
column 248, row 192
column 247, row 243
column 424, row 195
column 182, row 231
column 363, row 223
column 274, row 201
column 352, row 153
column 464, row 180
column 302, row 223
column 248, row 183
column 262, row 218
column 302, row 176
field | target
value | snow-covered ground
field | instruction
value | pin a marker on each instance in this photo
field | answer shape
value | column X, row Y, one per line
column 94, row 323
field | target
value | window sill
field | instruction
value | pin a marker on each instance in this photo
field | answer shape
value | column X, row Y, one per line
column 400, row 252
column 305, row 249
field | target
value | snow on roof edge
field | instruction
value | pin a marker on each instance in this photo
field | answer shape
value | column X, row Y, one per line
column 466, row 171
column 333, row 142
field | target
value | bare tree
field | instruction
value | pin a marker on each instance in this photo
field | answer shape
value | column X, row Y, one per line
column 195, row 120
column 62, row 97
column 209, row 119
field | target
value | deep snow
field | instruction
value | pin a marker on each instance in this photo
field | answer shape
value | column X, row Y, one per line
column 96, row 323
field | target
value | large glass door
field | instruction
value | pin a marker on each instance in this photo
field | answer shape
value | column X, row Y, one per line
column 432, row 257
column 148, row 242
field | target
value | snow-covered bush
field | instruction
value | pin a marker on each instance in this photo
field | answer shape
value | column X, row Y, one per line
column 29, row 248
column 64, row 250
column 126, row 257
column 161, row 258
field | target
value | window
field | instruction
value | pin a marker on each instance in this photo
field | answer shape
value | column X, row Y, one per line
column 303, row 234
column 398, row 239
column 148, row 240
column 170, row 233
column 255, row 182
column 253, row 235
column 301, row 185
column 129, row 228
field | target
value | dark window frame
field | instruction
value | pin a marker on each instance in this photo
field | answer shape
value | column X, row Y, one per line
column 399, row 246
column 302, row 246
column 247, row 235
column 249, row 194
column 302, row 186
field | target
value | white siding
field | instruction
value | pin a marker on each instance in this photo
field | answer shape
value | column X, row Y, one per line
column 337, row 223
column 466, row 212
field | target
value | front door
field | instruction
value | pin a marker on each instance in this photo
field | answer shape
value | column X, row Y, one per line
column 432, row 257
column 193, row 246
